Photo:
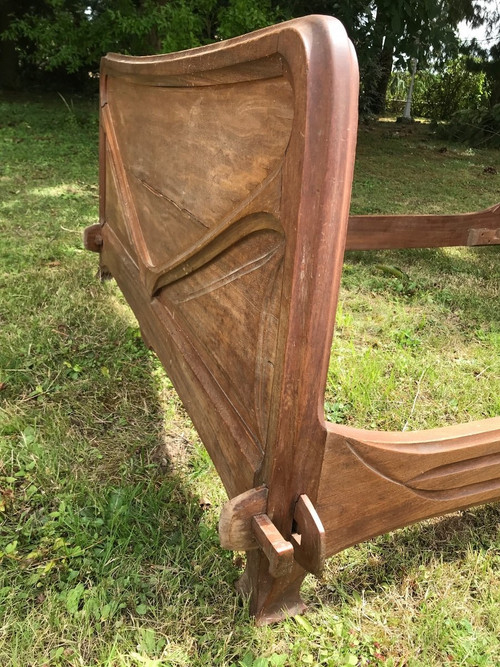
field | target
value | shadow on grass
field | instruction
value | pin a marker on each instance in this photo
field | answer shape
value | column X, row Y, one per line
column 430, row 268
column 400, row 556
column 159, row 544
column 92, row 511
column 98, row 518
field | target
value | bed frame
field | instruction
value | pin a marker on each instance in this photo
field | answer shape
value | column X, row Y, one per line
column 225, row 182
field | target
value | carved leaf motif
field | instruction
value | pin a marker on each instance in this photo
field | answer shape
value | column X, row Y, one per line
column 438, row 471
column 229, row 304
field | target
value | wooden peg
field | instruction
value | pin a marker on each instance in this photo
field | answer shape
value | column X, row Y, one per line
column 278, row 551
column 244, row 526
column 92, row 239
column 308, row 538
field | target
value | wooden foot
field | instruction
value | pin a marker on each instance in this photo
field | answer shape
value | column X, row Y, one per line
column 271, row 600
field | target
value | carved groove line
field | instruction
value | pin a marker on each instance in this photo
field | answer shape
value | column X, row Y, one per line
column 123, row 190
column 241, row 271
column 261, row 399
column 454, row 493
column 182, row 342
column 156, row 277
column 169, row 272
column 451, row 470
column 262, row 360
column 162, row 195
column 208, row 249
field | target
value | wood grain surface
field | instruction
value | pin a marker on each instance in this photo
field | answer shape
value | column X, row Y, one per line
column 372, row 232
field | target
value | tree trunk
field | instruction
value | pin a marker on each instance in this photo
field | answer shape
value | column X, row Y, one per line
column 378, row 73
column 9, row 64
column 376, row 81
column 9, row 70
column 409, row 96
column 385, row 71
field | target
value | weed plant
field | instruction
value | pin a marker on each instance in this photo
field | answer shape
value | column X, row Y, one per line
column 108, row 509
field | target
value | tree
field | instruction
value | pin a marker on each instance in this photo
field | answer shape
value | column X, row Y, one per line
column 9, row 64
column 402, row 30
column 487, row 60
column 386, row 32
column 70, row 36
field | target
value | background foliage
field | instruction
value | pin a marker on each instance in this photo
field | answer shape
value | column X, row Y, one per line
column 60, row 42
column 439, row 94
column 477, row 127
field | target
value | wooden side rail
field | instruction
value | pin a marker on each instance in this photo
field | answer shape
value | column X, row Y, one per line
column 225, row 176
column 377, row 232
column 409, row 477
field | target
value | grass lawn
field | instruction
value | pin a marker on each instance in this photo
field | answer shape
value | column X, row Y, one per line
column 109, row 552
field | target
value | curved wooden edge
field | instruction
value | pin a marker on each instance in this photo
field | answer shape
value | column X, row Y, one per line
column 378, row 232
column 316, row 196
column 445, row 464
column 390, row 480
column 179, row 357
column 308, row 536
column 235, row 522
column 467, row 433
column 252, row 56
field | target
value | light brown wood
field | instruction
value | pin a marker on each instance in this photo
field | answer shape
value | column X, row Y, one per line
column 406, row 477
column 225, row 176
column 235, row 523
column 92, row 239
column 308, row 536
column 277, row 550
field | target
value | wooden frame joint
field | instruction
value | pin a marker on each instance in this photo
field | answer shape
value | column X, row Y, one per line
column 278, row 551
column 483, row 237
column 92, row 238
column 308, row 536
column 244, row 526
column 235, row 523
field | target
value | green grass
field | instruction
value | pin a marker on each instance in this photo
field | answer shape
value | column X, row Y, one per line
column 417, row 343
column 107, row 557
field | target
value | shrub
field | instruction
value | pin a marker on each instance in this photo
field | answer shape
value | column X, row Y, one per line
column 475, row 127
column 438, row 95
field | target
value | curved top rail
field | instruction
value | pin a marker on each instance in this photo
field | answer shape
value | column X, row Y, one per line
column 257, row 50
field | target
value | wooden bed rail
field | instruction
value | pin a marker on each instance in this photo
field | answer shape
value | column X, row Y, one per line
column 225, row 180
column 377, row 232
column 413, row 475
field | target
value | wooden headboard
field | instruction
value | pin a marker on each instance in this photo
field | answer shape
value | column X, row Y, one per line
column 225, row 189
